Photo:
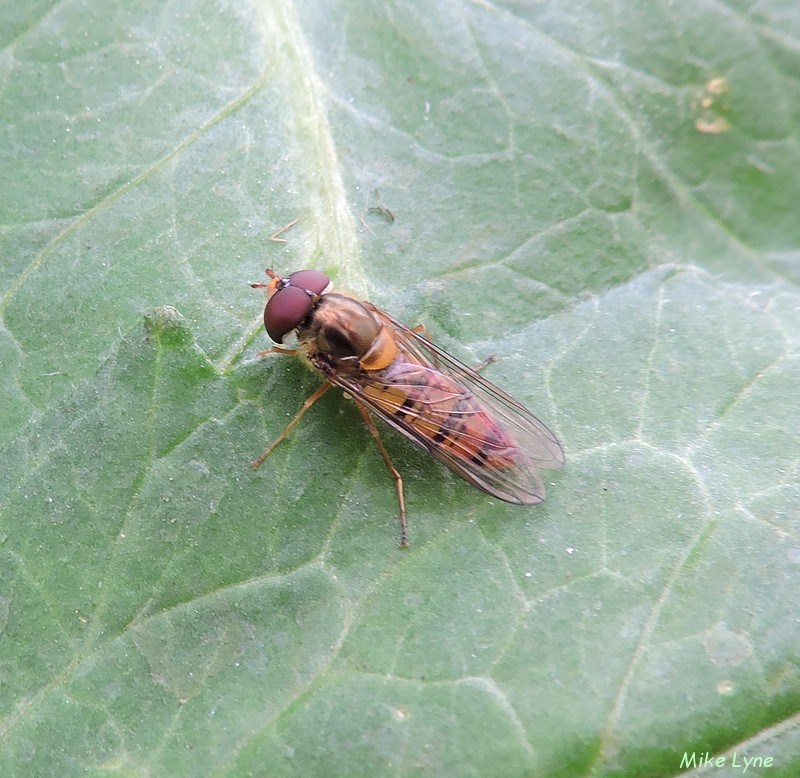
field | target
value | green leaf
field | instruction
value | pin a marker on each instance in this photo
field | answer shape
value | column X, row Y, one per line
column 606, row 199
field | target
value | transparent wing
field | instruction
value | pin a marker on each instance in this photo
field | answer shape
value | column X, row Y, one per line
column 462, row 419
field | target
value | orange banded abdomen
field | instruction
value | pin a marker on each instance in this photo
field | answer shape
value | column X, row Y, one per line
column 443, row 412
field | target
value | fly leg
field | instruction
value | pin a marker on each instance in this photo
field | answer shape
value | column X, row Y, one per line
column 256, row 463
column 485, row 363
column 292, row 352
column 398, row 481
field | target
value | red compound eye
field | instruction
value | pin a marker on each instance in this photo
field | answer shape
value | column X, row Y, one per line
column 313, row 280
column 292, row 302
column 285, row 310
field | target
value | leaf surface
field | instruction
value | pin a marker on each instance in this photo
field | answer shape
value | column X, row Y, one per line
column 603, row 198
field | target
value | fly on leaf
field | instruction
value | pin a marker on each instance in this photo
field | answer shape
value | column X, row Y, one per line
column 426, row 394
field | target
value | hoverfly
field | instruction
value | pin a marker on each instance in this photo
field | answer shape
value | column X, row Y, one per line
column 442, row 405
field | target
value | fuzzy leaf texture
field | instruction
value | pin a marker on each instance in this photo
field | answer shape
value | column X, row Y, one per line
column 604, row 197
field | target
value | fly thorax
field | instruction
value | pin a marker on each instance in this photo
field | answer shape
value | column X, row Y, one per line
column 341, row 329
